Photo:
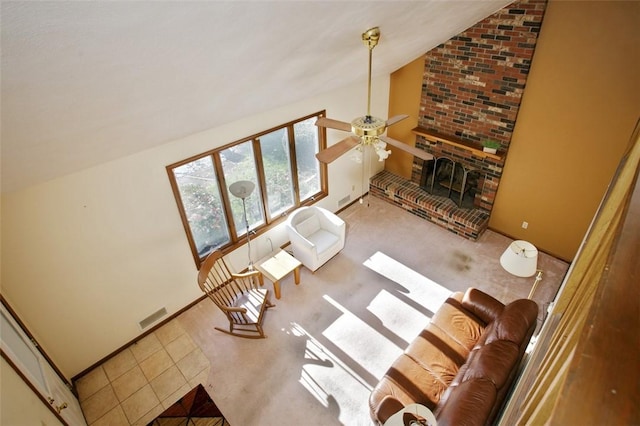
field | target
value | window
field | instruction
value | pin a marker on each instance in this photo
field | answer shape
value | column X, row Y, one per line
column 276, row 160
column 239, row 163
column 281, row 162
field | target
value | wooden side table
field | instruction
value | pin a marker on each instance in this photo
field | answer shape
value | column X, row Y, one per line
column 278, row 265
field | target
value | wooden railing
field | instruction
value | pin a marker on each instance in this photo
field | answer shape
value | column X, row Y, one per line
column 584, row 366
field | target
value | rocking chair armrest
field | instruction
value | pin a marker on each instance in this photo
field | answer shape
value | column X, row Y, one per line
column 247, row 274
column 233, row 309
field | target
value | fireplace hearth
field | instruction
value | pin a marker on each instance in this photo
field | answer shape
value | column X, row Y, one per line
column 443, row 211
column 455, row 190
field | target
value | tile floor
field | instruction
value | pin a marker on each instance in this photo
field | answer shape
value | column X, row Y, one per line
column 143, row 380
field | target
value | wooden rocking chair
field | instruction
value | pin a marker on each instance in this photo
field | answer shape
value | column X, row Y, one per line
column 239, row 296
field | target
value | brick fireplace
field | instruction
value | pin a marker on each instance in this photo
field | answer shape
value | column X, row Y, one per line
column 471, row 91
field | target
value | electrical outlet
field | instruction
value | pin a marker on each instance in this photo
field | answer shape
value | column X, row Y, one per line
column 353, row 187
column 525, row 225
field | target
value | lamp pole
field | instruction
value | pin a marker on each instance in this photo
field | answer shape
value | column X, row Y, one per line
column 246, row 221
column 242, row 189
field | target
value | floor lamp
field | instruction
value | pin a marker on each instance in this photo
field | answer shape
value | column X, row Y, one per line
column 521, row 260
column 242, row 189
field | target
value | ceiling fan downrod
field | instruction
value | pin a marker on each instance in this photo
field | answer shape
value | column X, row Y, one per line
column 370, row 38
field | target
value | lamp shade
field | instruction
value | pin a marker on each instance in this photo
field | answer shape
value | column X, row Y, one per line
column 242, row 188
column 520, row 259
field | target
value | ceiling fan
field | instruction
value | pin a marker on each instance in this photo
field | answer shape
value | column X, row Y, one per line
column 368, row 130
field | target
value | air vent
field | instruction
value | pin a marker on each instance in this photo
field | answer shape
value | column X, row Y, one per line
column 152, row 318
column 344, row 201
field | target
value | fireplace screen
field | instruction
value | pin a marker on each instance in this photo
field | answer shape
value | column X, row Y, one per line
column 447, row 178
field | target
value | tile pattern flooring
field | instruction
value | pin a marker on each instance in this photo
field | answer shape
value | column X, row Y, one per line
column 139, row 383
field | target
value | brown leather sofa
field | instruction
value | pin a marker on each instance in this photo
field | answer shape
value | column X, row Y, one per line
column 462, row 364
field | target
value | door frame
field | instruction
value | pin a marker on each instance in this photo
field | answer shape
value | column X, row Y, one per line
column 45, row 358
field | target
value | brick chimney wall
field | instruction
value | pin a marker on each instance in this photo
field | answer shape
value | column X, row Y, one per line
column 473, row 85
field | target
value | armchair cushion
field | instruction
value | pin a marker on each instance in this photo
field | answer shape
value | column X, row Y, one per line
column 308, row 226
column 323, row 240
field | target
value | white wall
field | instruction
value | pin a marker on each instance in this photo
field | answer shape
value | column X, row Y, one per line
column 88, row 255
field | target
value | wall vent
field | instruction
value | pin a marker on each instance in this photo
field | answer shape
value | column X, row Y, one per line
column 152, row 318
column 344, row 201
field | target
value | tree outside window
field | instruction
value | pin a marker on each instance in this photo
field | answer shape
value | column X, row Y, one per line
column 276, row 159
column 201, row 202
column 307, row 146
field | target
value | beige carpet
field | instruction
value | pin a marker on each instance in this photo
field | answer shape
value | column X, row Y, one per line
column 333, row 336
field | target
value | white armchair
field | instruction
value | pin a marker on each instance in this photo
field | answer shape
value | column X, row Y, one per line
column 316, row 235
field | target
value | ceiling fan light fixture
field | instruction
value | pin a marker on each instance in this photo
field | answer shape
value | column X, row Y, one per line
column 379, row 146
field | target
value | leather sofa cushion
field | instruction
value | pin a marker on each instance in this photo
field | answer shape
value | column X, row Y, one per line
column 468, row 404
column 462, row 328
column 435, row 352
column 493, row 361
column 514, row 324
column 408, row 381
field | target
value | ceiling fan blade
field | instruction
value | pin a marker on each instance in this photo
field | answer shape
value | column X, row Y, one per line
column 334, row 151
column 407, row 148
column 333, row 124
column 393, row 120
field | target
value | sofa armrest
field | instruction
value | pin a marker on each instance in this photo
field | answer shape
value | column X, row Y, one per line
column 387, row 408
column 482, row 305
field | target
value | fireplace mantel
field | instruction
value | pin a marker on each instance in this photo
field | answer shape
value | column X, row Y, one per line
column 476, row 149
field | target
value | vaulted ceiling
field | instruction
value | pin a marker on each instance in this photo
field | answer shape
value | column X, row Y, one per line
column 84, row 82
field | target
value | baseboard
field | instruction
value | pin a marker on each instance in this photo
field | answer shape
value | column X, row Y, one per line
column 140, row 337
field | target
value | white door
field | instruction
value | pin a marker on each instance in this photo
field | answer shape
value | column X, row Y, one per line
column 28, row 359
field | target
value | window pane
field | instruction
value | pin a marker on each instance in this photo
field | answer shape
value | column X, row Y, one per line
column 277, row 170
column 238, row 163
column 200, row 197
column 306, row 135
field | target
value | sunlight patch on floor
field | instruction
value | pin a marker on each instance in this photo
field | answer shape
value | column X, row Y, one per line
column 419, row 288
column 362, row 343
column 397, row 316
column 326, row 376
